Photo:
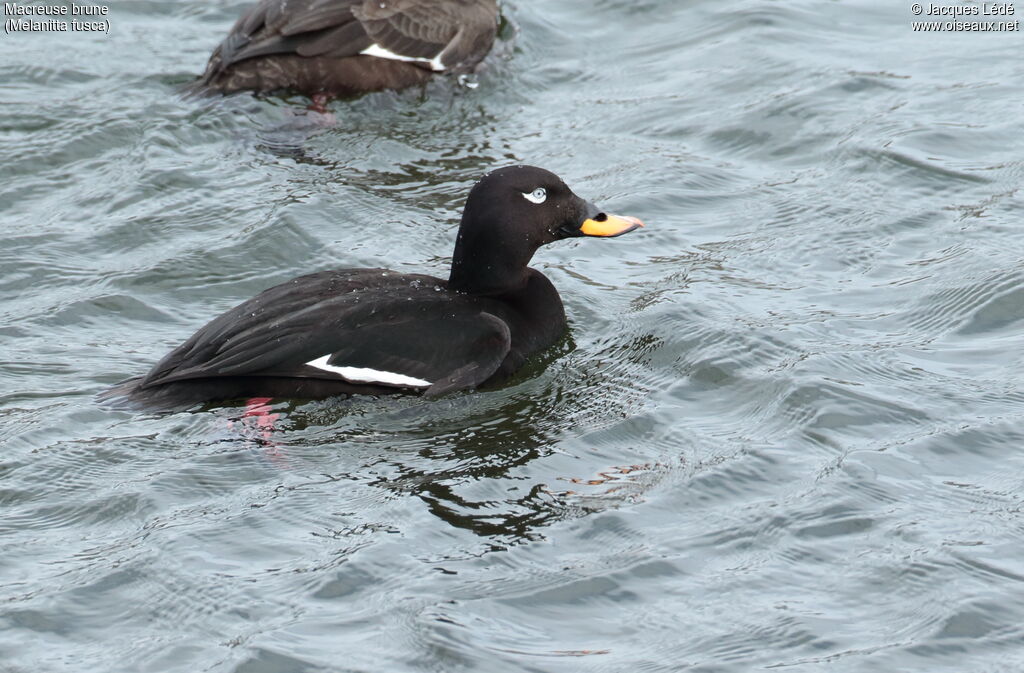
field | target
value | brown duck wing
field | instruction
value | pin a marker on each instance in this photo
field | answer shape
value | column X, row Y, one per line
column 303, row 27
column 458, row 33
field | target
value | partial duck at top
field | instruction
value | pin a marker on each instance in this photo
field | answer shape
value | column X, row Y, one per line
column 328, row 48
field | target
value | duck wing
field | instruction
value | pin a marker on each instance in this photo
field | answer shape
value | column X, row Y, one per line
column 368, row 326
column 450, row 34
column 445, row 34
column 303, row 27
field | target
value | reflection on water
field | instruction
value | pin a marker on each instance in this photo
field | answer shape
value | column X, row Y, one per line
column 466, row 460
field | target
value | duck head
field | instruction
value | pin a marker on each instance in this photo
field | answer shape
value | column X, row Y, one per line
column 508, row 215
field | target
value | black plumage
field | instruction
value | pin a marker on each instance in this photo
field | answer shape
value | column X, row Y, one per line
column 479, row 326
column 316, row 46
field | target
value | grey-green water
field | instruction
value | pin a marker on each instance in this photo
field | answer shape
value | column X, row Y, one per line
column 785, row 432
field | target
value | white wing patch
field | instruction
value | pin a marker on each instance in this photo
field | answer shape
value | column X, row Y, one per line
column 381, row 52
column 367, row 375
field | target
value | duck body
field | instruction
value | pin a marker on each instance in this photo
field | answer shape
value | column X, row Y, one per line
column 348, row 47
column 376, row 331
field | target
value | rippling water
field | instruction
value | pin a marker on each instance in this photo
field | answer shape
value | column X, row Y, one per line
column 783, row 433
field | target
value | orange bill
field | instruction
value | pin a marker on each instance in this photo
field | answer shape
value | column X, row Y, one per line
column 609, row 225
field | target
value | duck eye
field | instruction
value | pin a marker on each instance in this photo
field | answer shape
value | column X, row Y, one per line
column 538, row 195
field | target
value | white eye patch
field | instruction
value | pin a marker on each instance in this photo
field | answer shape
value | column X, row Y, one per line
column 538, row 195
